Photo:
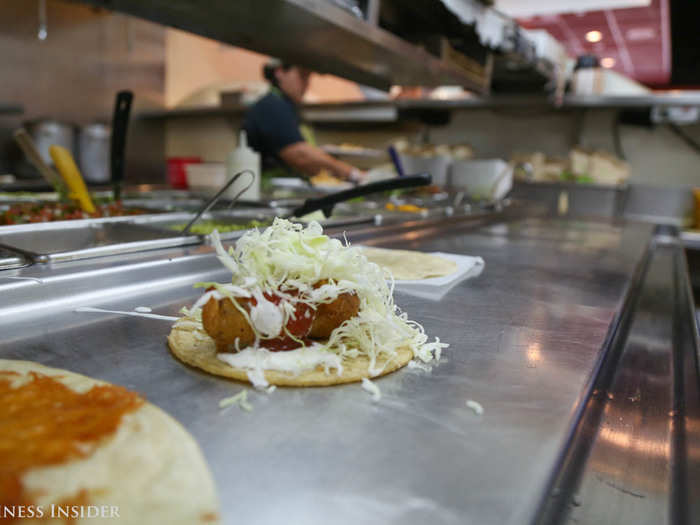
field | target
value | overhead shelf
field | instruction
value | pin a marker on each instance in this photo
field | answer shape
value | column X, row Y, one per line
column 312, row 33
column 370, row 111
column 392, row 110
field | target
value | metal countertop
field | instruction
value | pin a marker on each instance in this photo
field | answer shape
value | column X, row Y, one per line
column 527, row 339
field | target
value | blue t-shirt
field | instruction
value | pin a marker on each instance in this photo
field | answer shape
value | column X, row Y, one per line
column 272, row 124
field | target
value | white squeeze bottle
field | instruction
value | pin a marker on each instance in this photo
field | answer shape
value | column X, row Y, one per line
column 243, row 158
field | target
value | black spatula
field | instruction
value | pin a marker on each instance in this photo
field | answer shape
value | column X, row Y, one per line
column 120, row 123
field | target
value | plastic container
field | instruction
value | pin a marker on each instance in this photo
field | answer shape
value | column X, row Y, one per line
column 487, row 179
column 438, row 166
column 177, row 176
column 206, row 178
column 240, row 159
column 94, row 148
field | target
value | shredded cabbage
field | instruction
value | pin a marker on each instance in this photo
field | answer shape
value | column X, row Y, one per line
column 288, row 260
column 475, row 406
column 372, row 389
column 241, row 399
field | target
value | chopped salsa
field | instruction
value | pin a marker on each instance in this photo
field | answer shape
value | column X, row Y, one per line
column 29, row 212
column 206, row 227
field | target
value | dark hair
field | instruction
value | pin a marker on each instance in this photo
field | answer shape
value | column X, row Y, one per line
column 270, row 68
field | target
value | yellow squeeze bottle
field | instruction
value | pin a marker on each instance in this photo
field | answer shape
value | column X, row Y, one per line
column 65, row 165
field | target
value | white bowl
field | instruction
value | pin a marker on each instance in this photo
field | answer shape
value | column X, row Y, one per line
column 489, row 179
column 437, row 166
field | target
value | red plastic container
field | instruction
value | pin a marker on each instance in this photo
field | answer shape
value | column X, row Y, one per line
column 176, row 171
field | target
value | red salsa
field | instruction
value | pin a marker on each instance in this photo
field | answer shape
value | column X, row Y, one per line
column 30, row 212
column 298, row 327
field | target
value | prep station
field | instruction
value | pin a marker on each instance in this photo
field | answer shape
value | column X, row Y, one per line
column 569, row 393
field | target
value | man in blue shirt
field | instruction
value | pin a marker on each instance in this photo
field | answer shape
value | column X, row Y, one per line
column 274, row 128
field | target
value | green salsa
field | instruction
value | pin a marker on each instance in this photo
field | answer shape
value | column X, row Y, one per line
column 206, row 227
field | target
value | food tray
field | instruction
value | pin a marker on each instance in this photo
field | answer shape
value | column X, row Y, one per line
column 10, row 260
column 72, row 240
column 165, row 222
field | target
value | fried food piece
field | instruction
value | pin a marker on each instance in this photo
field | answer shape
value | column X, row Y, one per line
column 330, row 316
column 225, row 323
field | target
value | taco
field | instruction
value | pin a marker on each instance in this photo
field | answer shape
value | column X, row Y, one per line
column 302, row 309
column 74, row 449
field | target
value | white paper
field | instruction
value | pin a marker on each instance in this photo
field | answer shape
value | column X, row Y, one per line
column 436, row 288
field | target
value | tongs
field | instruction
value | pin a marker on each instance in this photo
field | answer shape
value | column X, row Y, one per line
column 211, row 202
column 328, row 202
column 325, row 203
column 28, row 146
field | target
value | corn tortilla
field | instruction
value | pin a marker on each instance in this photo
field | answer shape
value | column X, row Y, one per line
column 407, row 265
column 151, row 469
column 200, row 351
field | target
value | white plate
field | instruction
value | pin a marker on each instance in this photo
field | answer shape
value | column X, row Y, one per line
column 436, row 288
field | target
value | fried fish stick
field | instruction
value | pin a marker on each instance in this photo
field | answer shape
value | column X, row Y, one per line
column 225, row 323
column 330, row 316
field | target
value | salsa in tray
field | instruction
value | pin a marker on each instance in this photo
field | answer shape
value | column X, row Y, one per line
column 30, row 212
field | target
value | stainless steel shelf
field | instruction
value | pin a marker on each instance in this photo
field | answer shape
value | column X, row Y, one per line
column 344, row 112
column 569, row 101
column 313, row 33
column 691, row 98
column 390, row 110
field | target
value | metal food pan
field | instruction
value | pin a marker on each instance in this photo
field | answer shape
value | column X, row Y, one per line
column 73, row 240
column 24, row 197
column 166, row 222
column 164, row 204
column 10, row 260
column 378, row 207
column 4, row 205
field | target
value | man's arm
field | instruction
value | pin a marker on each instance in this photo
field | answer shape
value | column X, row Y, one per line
column 309, row 160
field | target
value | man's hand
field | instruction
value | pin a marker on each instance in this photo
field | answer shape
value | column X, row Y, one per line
column 309, row 160
column 358, row 176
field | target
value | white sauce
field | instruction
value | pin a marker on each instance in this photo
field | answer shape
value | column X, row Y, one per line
column 267, row 317
column 256, row 360
column 135, row 314
column 205, row 299
column 257, row 378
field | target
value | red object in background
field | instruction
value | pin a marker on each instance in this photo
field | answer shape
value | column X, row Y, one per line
column 176, row 171
column 636, row 40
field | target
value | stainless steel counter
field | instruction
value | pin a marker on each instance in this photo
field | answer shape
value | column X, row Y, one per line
column 10, row 259
column 532, row 339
